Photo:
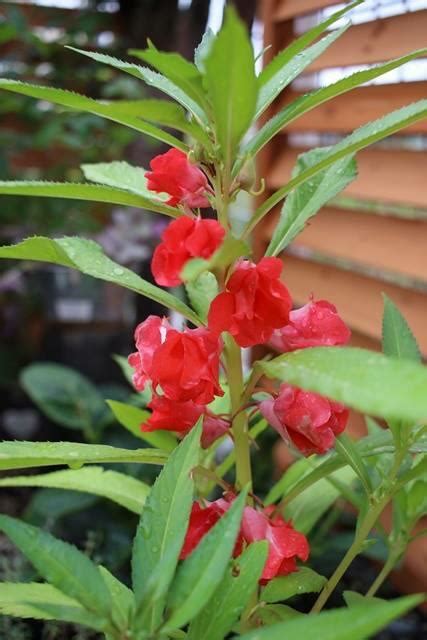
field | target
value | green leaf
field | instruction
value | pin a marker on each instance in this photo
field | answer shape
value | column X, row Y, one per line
column 122, row 175
column 290, row 62
column 231, row 84
column 44, row 602
column 78, row 102
column 201, row 292
column 121, row 598
column 132, row 417
column 163, row 524
column 203, row 48
column 123, row 489
column 398, row 339
column 230, row 249
column 222, row 611
column 88, row 192
column 200, row 574
column 64, row 395
column 309, row 101
column 352, row 598
column 270, row 614
column 88, row 257
column 125, row 367
column 152, row 78
column 348, row 450
column 357, row 623
column 361, row 379
column 304, row 580
column 359, row 139
column 61, row 564
column 306, row 200
column 24, row 455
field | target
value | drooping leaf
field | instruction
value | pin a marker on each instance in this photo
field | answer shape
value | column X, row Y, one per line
column 163, row 525
column 361, row 379
column 78, row 102
column 24, row 455
column 306, row 200
column 61, row 564
column 357, row 623
column 88, row 257
column 200, row 574
column 398, row 339
column 218, row 616
column 132, row 417
column 231, row 84
column 305, row 580
column 122, row 489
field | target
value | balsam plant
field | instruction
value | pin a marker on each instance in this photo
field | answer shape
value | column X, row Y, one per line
column 205, row 569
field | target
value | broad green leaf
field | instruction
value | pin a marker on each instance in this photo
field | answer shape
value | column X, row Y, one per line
column 348, row 450
column 357, row 623
column 164, row 521
column 24, row 455
column 122, row 175
column 203, row 48
column 61, row 564
column 218, row 616
column 352, row 598
column 270, row 614
column 231, row 249
column 308, row 101
column 361, row 379
column 78, row 102
column 398, row 339
column 181, row 72
column 284, row 68
column 271, row 84
column 305, row 580
column 132, row 417
column 306, row 200
column 83, row 191
column 121, row 598
column 201, row 292
column 118, row 487
column 359, row 139
column 231, row 84
column 200, row 574
column 44, row 602
column 64, row 395
column 152, row 78
column 88, row 257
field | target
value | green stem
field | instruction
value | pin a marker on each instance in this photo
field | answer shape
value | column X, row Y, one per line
column 384, row 573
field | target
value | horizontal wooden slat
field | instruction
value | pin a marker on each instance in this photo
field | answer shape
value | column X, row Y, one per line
column 291, row 8
column 358, row 298
column 39, row 15
column 385, row 175
column 376, row 41
column 352, row 109
column 373, row 240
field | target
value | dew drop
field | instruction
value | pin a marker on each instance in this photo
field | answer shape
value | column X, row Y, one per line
column 118, row 271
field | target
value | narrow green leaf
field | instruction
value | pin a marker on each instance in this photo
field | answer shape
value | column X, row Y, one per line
column 201, row 292
column 305, row 580
column 61, row 564
column 200, row 574
column 122, row 489
column 78, row 102
column 132, row 417
column 88, row 192
column 88, row 257
column 347, row 449
column 44, row 602
column 398, row 339
column 164, row 521
column 359, row 139
column 222, row 611
column 231, row 84
column 122, row 175
column 357, row 623
column 361, row 379
column 24, row 455
column 203, row 48
column 152, row 78
column 121, row 598
column 306, row 200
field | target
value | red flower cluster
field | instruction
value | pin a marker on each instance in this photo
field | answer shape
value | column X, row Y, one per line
column 254, row 304
column 306, row 419
column 172, row 173
column 317, row 324
column 285, row 544
column 183, row 239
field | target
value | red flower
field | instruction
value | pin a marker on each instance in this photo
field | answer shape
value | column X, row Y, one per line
column 185, row 365
column 173, row 174
column 285, row 544
column 254, row 304
column 308, row 420
column 183, row 239
column 317, row 324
